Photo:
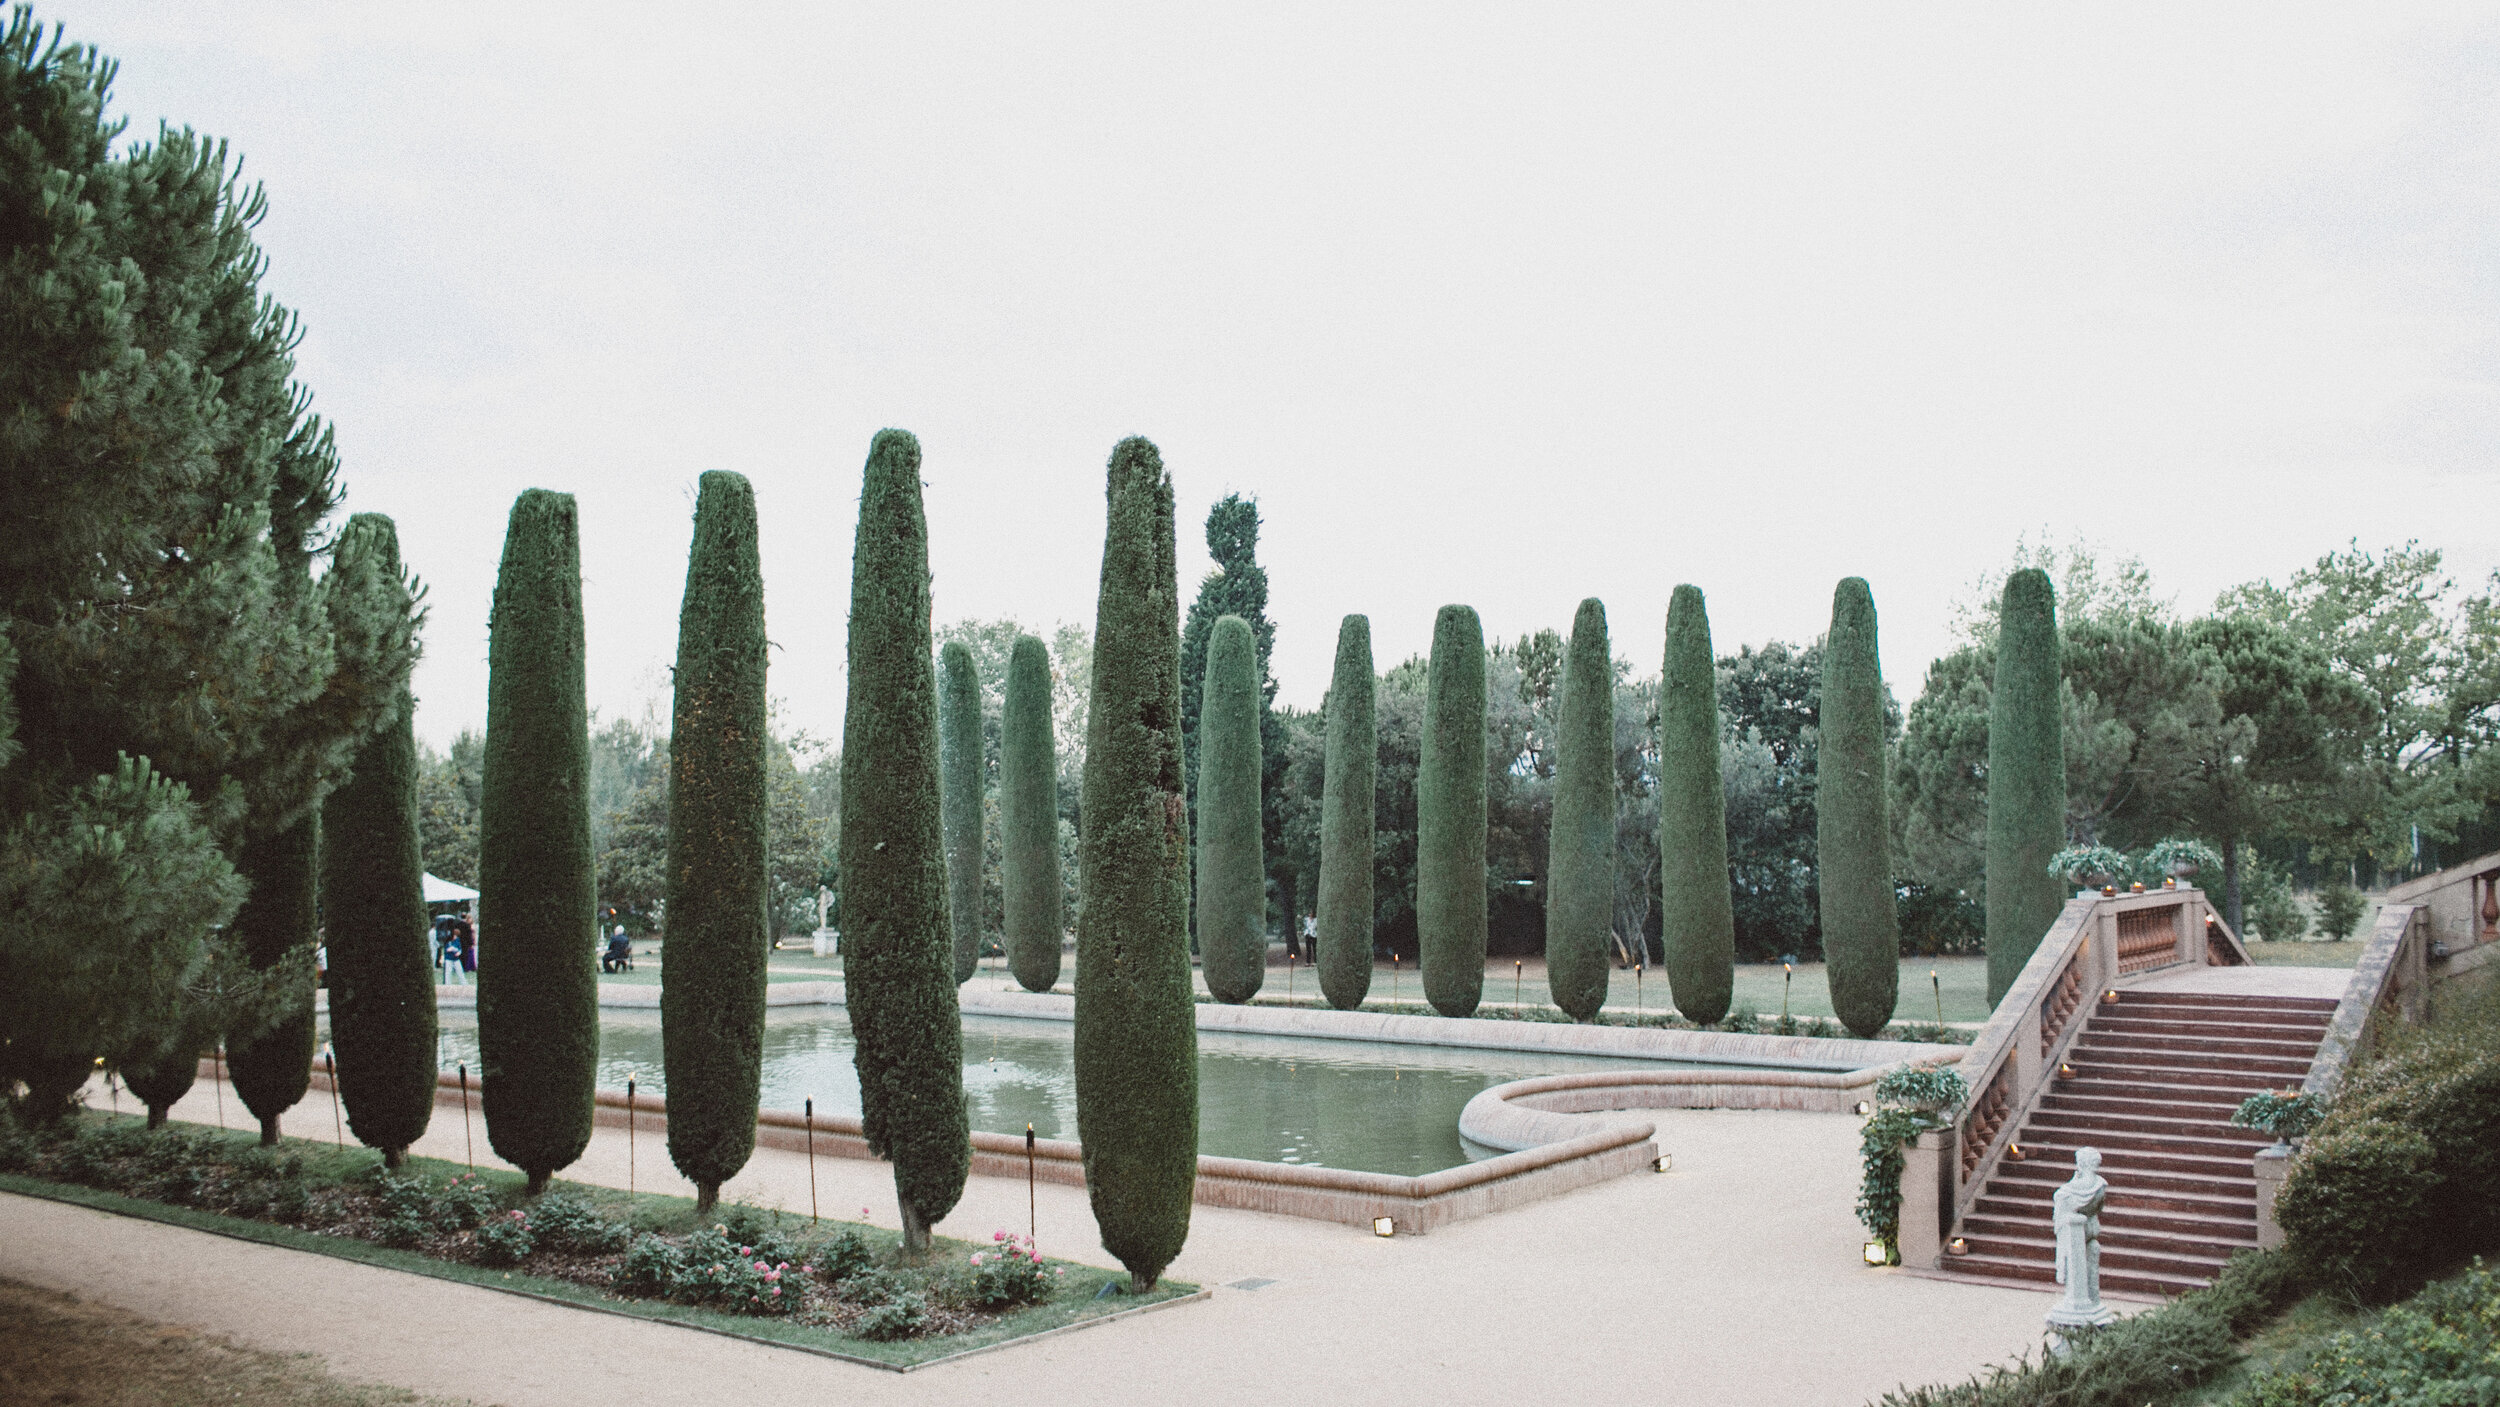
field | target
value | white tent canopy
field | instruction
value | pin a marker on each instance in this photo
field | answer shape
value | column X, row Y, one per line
column 443, row 891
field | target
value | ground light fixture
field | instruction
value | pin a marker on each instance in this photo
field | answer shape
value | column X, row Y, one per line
column 1877, row 1253
column 1664, row 1162
column 2109, row 997
column 1865, row 1108
column 1384, row 1226
column 2014, row 1153
column 1957, row 1247
column 2065, row 1071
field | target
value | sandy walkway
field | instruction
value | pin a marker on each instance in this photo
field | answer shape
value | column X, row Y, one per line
column 1733, row 1279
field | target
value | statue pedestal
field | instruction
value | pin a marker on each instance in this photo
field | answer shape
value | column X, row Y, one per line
column 821, row 942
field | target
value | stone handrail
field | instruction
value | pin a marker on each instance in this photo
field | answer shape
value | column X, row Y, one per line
column 2390, row 979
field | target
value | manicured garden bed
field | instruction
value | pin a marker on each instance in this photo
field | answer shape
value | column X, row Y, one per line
column 835, row 1288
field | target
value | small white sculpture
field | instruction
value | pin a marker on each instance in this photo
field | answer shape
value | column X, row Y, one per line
column 2075, row 1214
column 821, row 942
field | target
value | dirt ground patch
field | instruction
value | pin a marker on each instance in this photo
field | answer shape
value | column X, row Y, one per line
column 62, row 1351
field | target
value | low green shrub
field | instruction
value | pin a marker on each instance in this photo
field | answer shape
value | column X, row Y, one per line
column 402, row 1232
column 2137, row 1360
column 506, row 1239
column 2439, row 1349
column 899, row 1317
column 715, row 1271
column 1009, row 1275
column 650, row 1267
column 570, row 1226
column 845, row 1257
column 2359, row 1208
column 2252, row 1288
column 2339, row 910
column 464, row 1202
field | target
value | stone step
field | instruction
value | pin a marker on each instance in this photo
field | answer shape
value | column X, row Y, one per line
column 2206, row 1177
column 2152, row 1255
column 2005, row 1214
column 2214, row 1137
column 2130, row 1282
column 2018, row 1192
column 2137, row 996
column 2095, row 1037
column 2136, row 1081
column 2310, row 1032
column 2120, row 1149
column 2143, row 1103
column 2163, row 1065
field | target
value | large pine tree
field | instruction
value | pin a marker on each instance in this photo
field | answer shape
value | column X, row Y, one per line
column 1136, row 1021
column 1580, row 890
column 1696, row 910
column 537, row 978
column 1853, row 851
column 1450, row 817
column 2026, row 779
column 1348, row 813
column 1031, row 889
column 712, row 1006
column 382, row 1020
column 1232, row 886
column 898, row 965
column 960, row 765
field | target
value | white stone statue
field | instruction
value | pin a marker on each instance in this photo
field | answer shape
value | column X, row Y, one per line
column 2075, row 1214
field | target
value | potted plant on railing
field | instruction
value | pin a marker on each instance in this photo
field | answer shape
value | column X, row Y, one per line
column 2095, row 867
column 2287, row 1114
column 2178, row 860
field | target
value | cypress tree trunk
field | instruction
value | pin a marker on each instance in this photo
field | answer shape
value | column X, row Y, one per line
column 1348, row 811
column 2026, row 779
column 1136, row 1023
column 537, row 975
column 1032, row 892
column 1696, row 912
column 959, row 781
column 712, row 1005
column 382, row 1020
column 1450, row 817
column 1853, row 847
column 1580, row 902
column 898, row 964
column 271, row 1070
column 1232, row 867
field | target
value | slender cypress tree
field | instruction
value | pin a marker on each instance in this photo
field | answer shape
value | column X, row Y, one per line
column 1450, row 817
column 1232, row 885
column 712, row 1005
column 897, row 959
column 537, row 974
column 1853, row 847
column 1580, row 889
column 1136, row 1021
column 1030, row 886
column 382, row 1022
column 1695, row 909
column 278, row 921
column 2026, row 779
column 959, row 795
column 1348, row 810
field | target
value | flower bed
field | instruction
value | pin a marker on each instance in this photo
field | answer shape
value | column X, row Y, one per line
column 836, row 1288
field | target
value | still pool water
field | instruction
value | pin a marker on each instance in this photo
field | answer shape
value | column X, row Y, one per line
column 1285, row 1099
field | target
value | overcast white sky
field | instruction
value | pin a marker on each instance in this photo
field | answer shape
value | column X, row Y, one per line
column 1501, row 305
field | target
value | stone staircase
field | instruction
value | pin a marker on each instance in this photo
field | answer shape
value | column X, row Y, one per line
column 2156, row 1075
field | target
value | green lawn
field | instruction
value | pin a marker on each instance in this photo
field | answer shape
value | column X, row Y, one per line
column 2343, row 954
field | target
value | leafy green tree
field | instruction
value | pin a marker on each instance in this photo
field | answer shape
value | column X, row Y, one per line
column 1853, row 859
column 1450, row 817
column 1232, row 889
column 896, row 942
column 1769, row 699
column 1581, row 904
column 447, row 800
column 2026, row 779
column 1136, row 1023
column 799, row 844
column 537, row 979
column 1348, row 799
column 960, row 774
column 1028, row 822
column 381, row 970
column 712, row 1005
column 633, row 864
column 1697, row 917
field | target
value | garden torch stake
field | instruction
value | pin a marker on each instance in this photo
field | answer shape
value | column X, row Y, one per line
column 811, row 1162
column 629, row 1136
column 467, row 1139
column 330, row 1067
column 1032, row 1199
column 220, row 1085
column 1640, row 1005
column 1518, row 967
column 1788, row 976
column 1939, row 985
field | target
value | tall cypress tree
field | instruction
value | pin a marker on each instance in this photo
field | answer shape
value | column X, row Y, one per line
column 1232, row 883
column 1136, row 1020
column 712, row 1005
column 1237, row 587
column 1853, row 847
column 1450, row 817
column 1348, row 812
column 1030, row 885
column 1580, row 890
column 278, row 920
column 959, row 794
column 1696, row 911
column 898, row 964
column 537, row 975
column 382, row 1022
column 2026, row 779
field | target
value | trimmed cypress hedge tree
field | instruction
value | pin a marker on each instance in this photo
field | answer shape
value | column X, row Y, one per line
column 382, row 1022
column 897, row 958
column 278, row 920
column 2026, row 779
column 1348, row 811
column 959, row 797
column 1580, row 885
column 1695, row 909
column 712, row 1005
column 1853, row 847
column 1450, row 817
column 537, row 975
column 1029, row 881
column 1136, row 1019
column 1232, row 868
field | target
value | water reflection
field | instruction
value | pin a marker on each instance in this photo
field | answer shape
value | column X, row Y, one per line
column 1339, row 1104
